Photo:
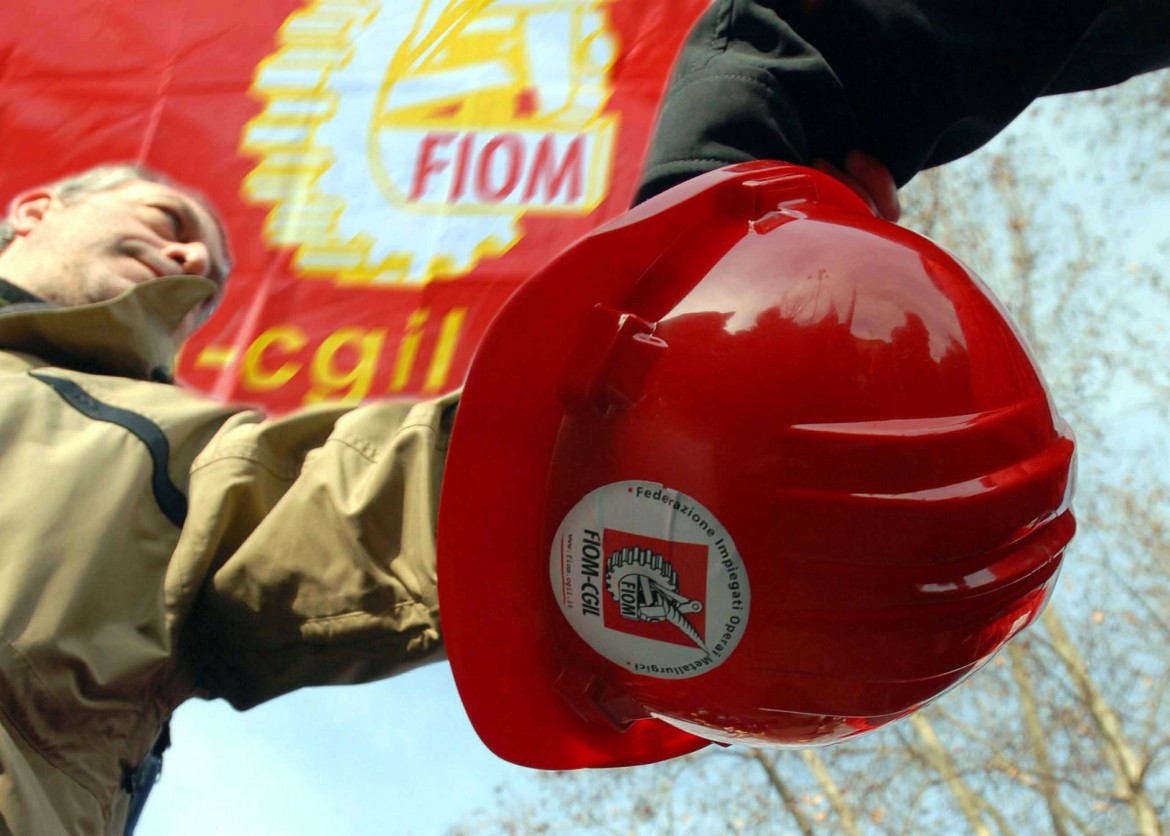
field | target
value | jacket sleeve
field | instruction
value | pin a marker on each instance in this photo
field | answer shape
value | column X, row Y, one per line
column 309, row 549
column 915, row 83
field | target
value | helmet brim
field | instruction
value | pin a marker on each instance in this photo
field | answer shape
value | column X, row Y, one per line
column 498, row 610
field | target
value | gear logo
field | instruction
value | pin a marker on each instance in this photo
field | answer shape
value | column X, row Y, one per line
column 650, row 580
column 402, row 142
column 645, row 587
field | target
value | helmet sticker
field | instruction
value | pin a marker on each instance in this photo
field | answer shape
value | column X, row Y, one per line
column 650, row 579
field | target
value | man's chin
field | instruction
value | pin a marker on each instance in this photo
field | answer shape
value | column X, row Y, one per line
column 113, row 286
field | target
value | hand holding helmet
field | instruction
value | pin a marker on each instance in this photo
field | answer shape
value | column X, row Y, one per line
column 749, row 465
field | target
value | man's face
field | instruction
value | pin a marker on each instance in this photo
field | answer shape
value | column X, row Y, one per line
column 95, row 246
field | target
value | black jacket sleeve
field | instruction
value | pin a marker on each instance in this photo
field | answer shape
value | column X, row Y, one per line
column 915, row 83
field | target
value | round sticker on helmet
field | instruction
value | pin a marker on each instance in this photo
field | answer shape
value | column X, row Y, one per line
column 650, row 579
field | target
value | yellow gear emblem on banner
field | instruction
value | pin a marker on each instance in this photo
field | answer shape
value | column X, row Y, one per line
column 402, row 140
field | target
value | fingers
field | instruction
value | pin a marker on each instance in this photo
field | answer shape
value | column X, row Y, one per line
column 878, row 182
column 870, row 179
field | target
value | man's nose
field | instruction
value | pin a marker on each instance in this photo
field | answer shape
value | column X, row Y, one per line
column 192, row 255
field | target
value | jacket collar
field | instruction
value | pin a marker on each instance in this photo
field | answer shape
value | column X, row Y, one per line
column 11, row 294
column 131, row 335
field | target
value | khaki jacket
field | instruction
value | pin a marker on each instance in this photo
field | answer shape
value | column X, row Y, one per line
column 157, row 545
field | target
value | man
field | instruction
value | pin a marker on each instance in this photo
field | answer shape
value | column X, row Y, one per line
column 158, row 545
column 92, row 236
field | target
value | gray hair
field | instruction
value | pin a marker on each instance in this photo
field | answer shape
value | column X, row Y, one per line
column 102, row 178
column 97, row 179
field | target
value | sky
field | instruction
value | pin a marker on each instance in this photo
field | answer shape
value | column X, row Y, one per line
column 394, row 757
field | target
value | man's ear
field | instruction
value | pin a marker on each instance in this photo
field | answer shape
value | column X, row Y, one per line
column 29, row 209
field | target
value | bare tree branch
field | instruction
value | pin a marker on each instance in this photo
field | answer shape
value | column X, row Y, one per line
column 825, row 779
column 791, row 803
column 1127, row 767
column 937, row 756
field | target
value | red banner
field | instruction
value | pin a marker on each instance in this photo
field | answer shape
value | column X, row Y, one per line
column 388, row 170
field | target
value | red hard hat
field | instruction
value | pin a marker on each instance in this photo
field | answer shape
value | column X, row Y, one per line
column 747, row 465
